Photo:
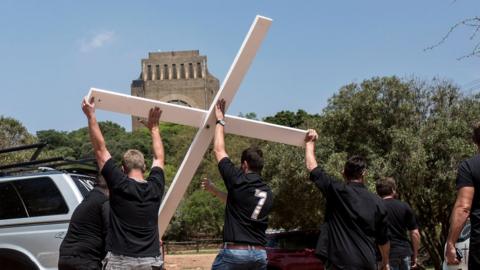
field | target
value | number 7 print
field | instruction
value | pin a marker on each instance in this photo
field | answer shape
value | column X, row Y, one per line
column 263, row 196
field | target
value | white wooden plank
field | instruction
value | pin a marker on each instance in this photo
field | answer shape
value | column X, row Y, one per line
column 183, row 115
column 204, row 136
column 264, row 131
column 138, row 106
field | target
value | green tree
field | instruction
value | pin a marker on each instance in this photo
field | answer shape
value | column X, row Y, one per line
column 415, row 131
column 290, row 119
column 202, row 214
column 13, row 133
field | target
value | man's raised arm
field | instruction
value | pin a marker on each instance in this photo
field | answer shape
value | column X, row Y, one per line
column 99, row 147
column 210, row 187
column 157, row 144
column 219, row 140
column 310, row 160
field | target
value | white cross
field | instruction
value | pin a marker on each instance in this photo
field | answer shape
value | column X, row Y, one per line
column 204, row 120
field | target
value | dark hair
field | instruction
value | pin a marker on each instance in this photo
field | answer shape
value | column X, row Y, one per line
column 385, row 186
column 354, row 167
column 476, row 133
column 254, row 158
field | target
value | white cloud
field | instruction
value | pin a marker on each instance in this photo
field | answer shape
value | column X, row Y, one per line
column 97, row 41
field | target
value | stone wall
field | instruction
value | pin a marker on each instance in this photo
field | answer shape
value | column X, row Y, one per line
column 179, row 77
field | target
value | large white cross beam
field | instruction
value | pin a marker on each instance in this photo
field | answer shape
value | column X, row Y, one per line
column 204, row 120
column 178, row 114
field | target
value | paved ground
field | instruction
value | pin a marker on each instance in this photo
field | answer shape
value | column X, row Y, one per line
column 189, row 261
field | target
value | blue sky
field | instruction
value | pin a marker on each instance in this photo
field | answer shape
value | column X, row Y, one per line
column 52, row 52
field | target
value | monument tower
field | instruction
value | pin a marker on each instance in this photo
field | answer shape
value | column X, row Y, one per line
column 179, row 77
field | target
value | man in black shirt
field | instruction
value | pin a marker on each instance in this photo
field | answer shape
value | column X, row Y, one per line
column 355, row 218
column 467, row 205
column 132, row 241
column 401, row 218
column 83, row 248
column 249, row 202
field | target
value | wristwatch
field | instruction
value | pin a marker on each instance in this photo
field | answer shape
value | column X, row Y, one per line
column 221, row 122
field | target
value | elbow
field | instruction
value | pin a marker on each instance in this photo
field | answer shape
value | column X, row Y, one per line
column 101, row 153
column 102, row 156
column 415, row 235
column 219, row 150
column 463, row 209
column 466, row 209
column 310, row 163
column 311, row 167
column 219, row 155
column 216, row 151
column 160, row 157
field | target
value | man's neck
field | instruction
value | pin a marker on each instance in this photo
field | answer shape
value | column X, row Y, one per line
column 136, row 175
column 247, row 171
column 388, row 197
column 356, row 181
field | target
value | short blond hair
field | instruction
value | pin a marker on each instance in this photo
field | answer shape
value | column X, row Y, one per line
column 133, row 159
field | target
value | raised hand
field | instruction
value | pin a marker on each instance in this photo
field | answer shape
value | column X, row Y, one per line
column 207, row 184
column 88, row 107
column 311, row 136
column 220, row 109
column 153, row 118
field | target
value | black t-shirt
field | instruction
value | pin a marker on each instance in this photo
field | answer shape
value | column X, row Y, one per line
column 355, row 222
column 401, row 218
column 134, row 208
column 468, row 175
column 88, row 228
column 249, row 202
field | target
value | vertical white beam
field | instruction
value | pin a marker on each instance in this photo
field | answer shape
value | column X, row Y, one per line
column 204, row 136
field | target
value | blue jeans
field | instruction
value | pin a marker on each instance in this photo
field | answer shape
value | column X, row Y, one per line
column 400, row 263
column 233, row 259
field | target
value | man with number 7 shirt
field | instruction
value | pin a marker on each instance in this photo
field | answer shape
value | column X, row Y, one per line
column 249, row 202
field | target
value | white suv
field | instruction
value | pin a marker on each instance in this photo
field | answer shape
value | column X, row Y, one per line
column 35, row 210
column 36, row 205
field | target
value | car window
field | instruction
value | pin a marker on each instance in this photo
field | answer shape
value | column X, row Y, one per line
column 41, row 197
column 84, row 183
column 11, row 205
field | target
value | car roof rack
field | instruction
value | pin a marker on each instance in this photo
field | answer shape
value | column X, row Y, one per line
column 82, row 166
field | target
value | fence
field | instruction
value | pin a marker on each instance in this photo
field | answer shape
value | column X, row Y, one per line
column 172, row 247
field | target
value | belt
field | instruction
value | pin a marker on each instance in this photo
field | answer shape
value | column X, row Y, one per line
column 230, row 245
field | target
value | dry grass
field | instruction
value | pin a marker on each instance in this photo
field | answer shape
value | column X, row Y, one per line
column 189, row 261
